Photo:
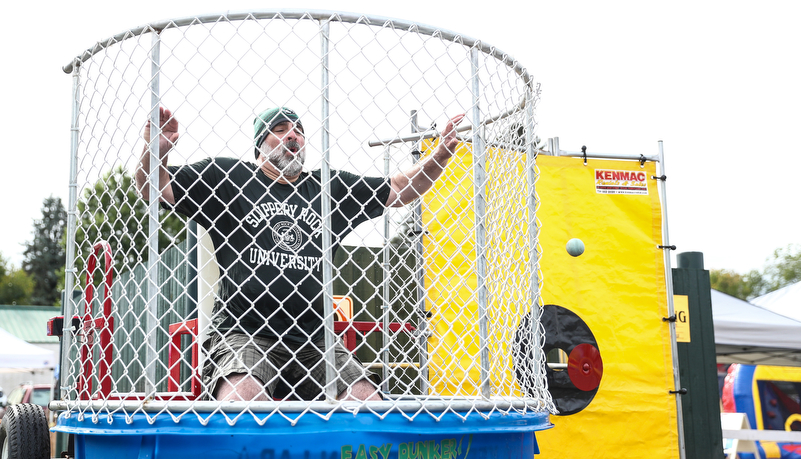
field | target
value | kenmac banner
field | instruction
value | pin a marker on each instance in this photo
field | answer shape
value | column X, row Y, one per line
column 620, row 182
column 604, row 307
column 617, row 287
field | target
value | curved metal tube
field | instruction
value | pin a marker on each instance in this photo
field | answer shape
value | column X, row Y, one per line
column 318, row 15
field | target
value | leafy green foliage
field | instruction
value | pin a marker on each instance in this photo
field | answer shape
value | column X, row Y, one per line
column 741, row 286
column 44, row 256
column 16, row 286
column 784, row 268
column 781, row 270
column 111, row 210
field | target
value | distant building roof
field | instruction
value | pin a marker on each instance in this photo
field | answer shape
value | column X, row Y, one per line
column 28, row 323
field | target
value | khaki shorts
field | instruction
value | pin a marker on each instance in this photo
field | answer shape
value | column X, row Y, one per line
column 288, row 371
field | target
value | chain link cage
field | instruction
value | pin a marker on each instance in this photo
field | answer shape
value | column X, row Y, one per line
column 436, row 303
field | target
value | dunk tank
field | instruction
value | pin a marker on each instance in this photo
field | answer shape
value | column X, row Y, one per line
column 439, row 299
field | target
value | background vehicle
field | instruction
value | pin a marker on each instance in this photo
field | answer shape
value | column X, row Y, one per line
column 38, row 394
column 26, row 417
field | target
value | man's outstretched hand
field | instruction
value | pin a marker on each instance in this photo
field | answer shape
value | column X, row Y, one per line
column 449, row 140
column 169, row 131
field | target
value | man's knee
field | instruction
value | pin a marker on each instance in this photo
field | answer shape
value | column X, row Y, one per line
column 362, row 389
column 240, row 386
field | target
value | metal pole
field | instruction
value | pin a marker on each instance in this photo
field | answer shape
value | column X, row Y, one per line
column 575, row 154
column 401, row 404
column 192, row 303
column 191, row 270
column 669, row 288
column 533, row 236
column 479, row 179
column 72, row 217
column 423, row 134
column 153, row 223
column 420, row 275
column 325, row 208
column 385, row 290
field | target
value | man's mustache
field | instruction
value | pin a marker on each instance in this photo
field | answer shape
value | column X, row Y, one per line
column 292, row 145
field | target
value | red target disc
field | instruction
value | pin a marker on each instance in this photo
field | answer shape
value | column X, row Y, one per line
column 584, row 366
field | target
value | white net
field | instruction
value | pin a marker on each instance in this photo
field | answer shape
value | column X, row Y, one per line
column 221, row 298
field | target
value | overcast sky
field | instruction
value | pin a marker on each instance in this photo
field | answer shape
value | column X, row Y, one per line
column 718, row 82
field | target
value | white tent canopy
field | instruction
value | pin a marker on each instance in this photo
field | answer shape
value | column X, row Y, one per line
column 747, row 333
column 19, row 355
column 785, row 301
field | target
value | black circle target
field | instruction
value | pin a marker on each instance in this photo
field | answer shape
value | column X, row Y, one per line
column 571, row 388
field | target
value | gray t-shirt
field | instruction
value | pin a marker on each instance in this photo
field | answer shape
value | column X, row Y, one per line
column 268, row 240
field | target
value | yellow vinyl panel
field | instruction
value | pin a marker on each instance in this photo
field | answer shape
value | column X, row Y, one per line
column 617, row 287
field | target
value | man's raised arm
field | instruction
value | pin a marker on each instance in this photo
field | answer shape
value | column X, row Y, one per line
column 168, row 138
column 408, row 185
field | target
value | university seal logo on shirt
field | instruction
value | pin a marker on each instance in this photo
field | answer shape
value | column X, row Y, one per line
column 287, row 236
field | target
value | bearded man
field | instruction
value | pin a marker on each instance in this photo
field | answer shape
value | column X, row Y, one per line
column 265, row 220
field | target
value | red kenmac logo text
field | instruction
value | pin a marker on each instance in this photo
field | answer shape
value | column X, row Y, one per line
column 620, row 175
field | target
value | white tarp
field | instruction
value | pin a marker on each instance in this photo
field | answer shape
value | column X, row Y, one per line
column 19, row 355
column 747, row 333
column 785, row 301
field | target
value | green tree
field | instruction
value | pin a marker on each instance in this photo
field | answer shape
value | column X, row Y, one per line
column 15, row 285
column 112, row 210
column 784, row 268
column 781, row 269
column 44, row 256
column 60, row 285
column 737, row 285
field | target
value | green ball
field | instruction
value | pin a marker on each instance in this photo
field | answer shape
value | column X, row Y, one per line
column 575, row 247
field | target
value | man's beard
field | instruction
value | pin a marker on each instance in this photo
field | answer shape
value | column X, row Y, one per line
column 288, row 163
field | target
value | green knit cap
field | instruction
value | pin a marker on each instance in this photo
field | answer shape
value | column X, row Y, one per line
column 270, row 118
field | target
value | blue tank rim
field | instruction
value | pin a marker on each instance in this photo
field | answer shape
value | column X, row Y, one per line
column 217, row 423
